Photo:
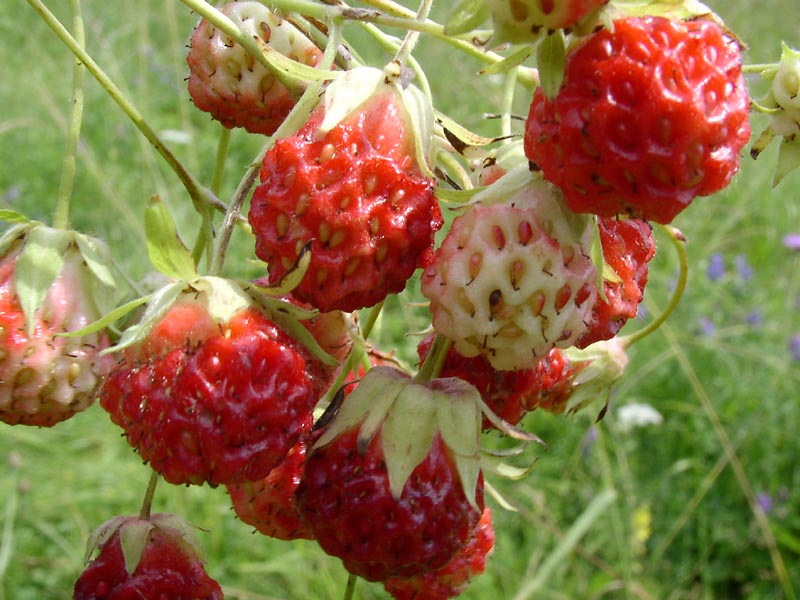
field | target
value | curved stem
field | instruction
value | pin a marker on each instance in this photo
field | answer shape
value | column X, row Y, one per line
column 61, row 219
column 679, row 243
column 411, row 38
column 350, row 588
column 147, row 503
column 199, row 194
column 434, row 361
column 509, row 85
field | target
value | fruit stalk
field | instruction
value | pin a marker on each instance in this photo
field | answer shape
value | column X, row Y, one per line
column 147, row 502
column 61, row 219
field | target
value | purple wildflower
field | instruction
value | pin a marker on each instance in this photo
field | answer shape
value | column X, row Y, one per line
column 707, row 327
column 743, row 267
column 716, row 267
column 764, row 500
column 755, row 317
column 792, row 241
column 794, row 346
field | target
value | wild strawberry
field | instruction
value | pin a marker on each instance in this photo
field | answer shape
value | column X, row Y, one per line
column 147, row 559
column 227, row 82
column 522, row 20
column 46, row 378
column 506, row 393
column 554, row 374
column 269, row 504
column 355, row 189
column 452, row 579
column 649, row 116
column 213, row 391
column 513, row 280
column 393, row 485
column 628, row 247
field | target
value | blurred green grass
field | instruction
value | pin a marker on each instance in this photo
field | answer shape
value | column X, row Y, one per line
column 681, row 525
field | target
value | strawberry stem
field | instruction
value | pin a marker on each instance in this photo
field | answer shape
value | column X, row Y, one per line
column 412, row 37
column 679, row 243
column 147, row 503
column 61, row 219
column 432, row 365
column 199, row 194
column 350, row 588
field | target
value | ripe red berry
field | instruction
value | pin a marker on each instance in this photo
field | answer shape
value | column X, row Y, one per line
column 212, row 401
column 146, row 559
column 357, row 194
column 628, row 247
column 649, row 116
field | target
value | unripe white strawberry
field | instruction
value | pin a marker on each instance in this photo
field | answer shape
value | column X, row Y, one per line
column 226, row 81
column 513, row 279
column 46, row 378
column 522, row 20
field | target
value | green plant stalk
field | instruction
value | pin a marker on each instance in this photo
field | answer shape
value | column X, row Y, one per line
column 350, row 588
column 205, row 237
column 9, row 520
column 509, row 85
column 679, row 243
column 596, row 509
column 434, row 361
column 412, row 37
column 391, row 44
column 199, row 194
column 147, row 502
column 730, row 453
column 61, row 218
column 292, row 123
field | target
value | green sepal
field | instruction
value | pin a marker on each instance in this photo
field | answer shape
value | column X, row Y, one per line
column 788, row 159
column 181, row 527
column 497, row 466
column 465, row 16
column 159, row 303
column 12, row 216
column 108, row 319
column 292, row 278
column 347, row 93
column 515, row 59
column 100, row 536
column 463, row 136
column 599, row 261
column 37, row 268
column 599, row 366
column 133, row 537
column 419, row 111
column 551, row 57
column 675, row 9
column 166, row 250
column 451, row 196
column 97, row 257
column 11, row 236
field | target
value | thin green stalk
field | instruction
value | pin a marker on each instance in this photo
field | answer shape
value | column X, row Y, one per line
column 9, row 521
column 434, row 361
column 199, row 194
column 61, row 218
column 205, row 237
column 730, row 453
column 292, row 123
column 679, row 243
column 147, row 503
column 509, row 86
column 412, row 37
column 350, row 588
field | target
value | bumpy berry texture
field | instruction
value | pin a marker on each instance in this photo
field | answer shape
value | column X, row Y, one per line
column 512, row 280
column 554, row 375
column 454, row 578
column 346, row 500
column 169, row 567
column 269, row 504
column 506, row 393
column 227, row 82
column 357, row 194
column 522, row 20
column 45, row 379
column 212, row 402
column 649, row 116
column 628, row 247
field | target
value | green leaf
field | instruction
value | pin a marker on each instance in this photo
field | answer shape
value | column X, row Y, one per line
column 465, row 16
column 514, row 59
column 788, row 159
column 106, row 320
column 551, row 56
column 95, row 254
column 159, row 303
column 11, row 235
column 166, row 250
column 12, row 216
column 38, row 266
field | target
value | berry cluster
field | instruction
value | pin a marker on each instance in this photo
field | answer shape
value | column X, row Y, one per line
column 270, row 387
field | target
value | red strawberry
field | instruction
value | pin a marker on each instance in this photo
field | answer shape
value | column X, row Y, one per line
column 506, row 393
column 145, row 559
column 269, row 504
column 452, row 579
column 554, row 377
column 226, row 81
column 356, row 191
column 215, row 392
column 522, row 20
column 393, row 485
column 513, row 278
column 628, row 247
column 649, row 116
column 46, row 378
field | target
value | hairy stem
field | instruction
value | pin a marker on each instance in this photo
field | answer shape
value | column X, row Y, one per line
column 434, row 361
column 147, row 502
column 61, row 219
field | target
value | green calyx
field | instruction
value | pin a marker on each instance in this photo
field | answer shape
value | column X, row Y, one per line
column 408, row 415
column 598, row 367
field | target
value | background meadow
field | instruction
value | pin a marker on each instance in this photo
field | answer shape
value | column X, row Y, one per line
column 700, row 501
